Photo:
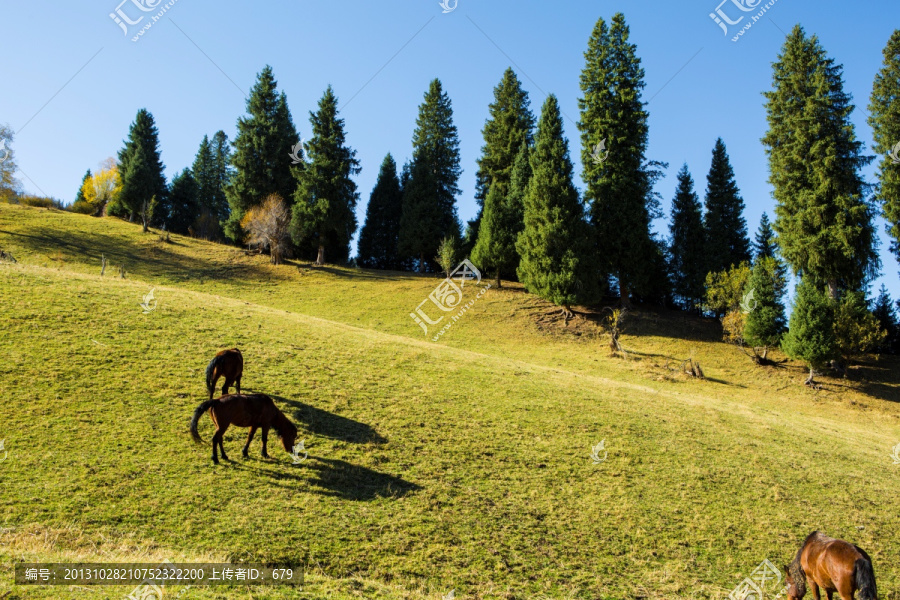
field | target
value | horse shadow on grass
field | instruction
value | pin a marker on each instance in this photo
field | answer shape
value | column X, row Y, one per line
column 326, row 424
column 334, row 478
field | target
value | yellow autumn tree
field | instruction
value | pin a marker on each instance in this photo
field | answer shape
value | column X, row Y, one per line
column 268, row 227
column 99, row 189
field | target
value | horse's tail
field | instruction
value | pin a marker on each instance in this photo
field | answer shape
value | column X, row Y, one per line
column 204, row 406
column 865, row 579
column 210, row 371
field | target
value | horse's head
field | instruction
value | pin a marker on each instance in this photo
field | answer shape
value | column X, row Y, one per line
column 287, row 431
column 795, row 579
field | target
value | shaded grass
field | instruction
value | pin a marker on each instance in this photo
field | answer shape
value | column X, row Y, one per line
column 460, row 465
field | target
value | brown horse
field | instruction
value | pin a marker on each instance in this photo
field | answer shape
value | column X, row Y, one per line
column 245, row 410
column 834, row 565
column 228, row 364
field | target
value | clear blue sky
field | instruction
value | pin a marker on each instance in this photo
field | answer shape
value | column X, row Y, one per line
column 73, row 81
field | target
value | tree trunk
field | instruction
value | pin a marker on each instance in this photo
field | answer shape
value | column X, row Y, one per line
column 144, row 215
column 832, row 290
column 809, row 380
column 320, row 259
column 765, row 352
column 498, row 277
column 624, row 294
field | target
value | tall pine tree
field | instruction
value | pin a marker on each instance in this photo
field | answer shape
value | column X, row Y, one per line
column 765, row 247
column 726, row 229
column 378, row 239
column 203, row 171
column 262, row 148
column 141, row 172
column 887, row 320
column 324, row 211
column 503, row 219
column 211, row 172
column 764, row 243
column 509, row 125
column 184, row 202
column 555, row 256
column 687, row 243
column 619, row 179
column 221, row 150
column 884, row 110
column 823, row 221
column 429, row 199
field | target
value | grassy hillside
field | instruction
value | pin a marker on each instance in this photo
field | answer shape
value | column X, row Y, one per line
column 458, row 465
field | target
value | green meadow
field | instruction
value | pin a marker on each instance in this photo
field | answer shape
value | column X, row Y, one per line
column 463, row 464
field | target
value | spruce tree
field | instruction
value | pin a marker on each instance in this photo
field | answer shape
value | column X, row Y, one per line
column 204, row 174
column 823, row 221
column 687, row 243
column 554, row 256
column 509, row 125
column 503, row 219
column 183, row 199
column 211, row 172
column 140, row 183
column 141, row 171
column 764, row 243
column 884, row 111
column 765, row 323
column 726, row 229
column 262, row 148
column 378, row 239
column 79, row 197
column 221, row 151
column 811, row 337
column 429, row 199
column 887, row 320
column 324, row 212
column 765, row 246
column 619, row 180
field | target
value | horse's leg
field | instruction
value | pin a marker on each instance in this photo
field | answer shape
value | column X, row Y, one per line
column 265, row 438
column 222, row 437
column 249, row 439
column 815, row 588
column 228, row 383
column 217, row 436
column 237, row 384
column 845, row 588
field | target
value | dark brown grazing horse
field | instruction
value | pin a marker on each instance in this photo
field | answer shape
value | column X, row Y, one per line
column 834, row 565
column 245, row 410
column 228, row 364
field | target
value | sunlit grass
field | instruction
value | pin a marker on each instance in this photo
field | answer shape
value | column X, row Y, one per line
column 463, row 464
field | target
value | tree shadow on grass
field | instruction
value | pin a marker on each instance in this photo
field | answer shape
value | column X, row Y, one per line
column 878, row 378
column 142, row 259
column 331, row 477
column 326, row 424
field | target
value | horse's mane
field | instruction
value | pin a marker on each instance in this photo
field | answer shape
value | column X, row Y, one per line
column 282, row 424
column 795, row 568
